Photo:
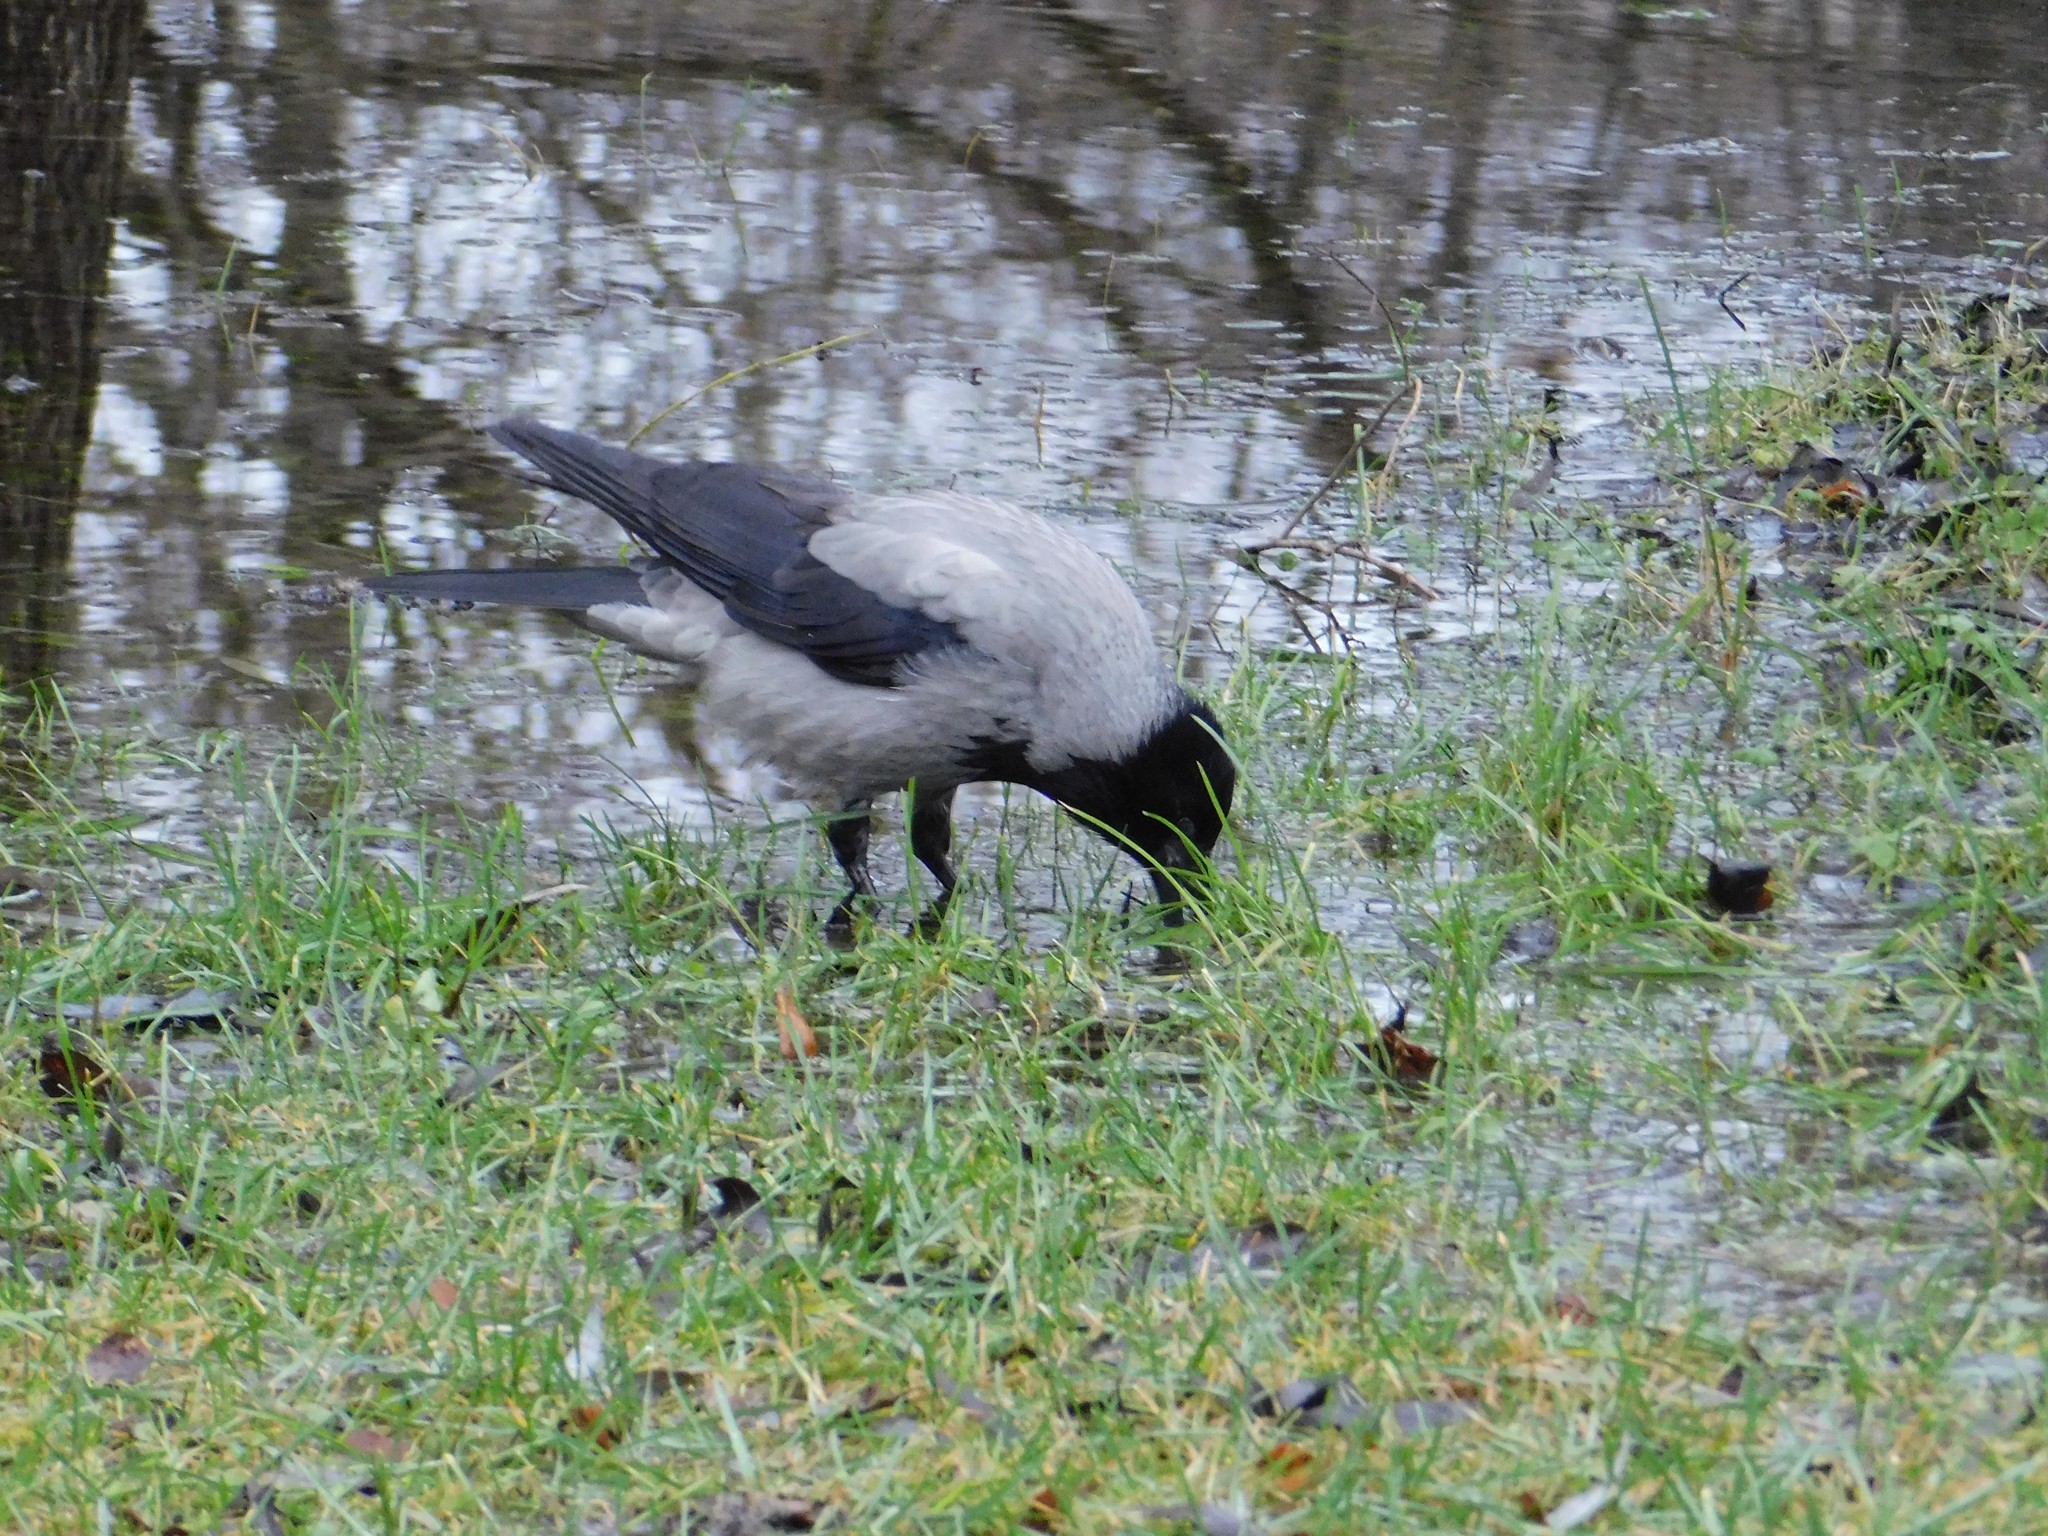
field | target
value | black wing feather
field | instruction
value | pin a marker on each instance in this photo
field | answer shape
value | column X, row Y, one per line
column 742, row 533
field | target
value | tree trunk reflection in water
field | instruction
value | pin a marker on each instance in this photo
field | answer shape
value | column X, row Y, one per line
column 64, row 70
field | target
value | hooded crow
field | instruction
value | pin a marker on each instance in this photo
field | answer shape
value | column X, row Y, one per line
column 860, row 645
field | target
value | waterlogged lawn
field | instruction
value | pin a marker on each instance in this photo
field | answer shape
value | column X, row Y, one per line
column 369, row 1167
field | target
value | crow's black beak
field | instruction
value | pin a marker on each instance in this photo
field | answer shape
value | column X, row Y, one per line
column 1171, row 869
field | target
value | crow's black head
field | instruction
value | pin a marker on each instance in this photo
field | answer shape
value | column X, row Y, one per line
column 1165, row 801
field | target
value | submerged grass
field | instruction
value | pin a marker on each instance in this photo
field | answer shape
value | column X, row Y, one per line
column 490, row 1185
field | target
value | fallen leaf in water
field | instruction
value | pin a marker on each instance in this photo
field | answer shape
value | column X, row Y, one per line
column 1740, row 890
column 444, row 1292
column 375, row 1444
column 798, row 1038
column 1043, row 1512
column 119, row 1357
column 1573, row 1308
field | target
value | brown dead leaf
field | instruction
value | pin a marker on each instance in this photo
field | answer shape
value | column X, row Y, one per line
column 118, row 1357
column 444, row 1292
column 70, row 1075
column 1293, row 1467
column 1573, row 1308
column 376, row 1444
column 798, row 1038
column 1044, row 1513
column 1532, row 1507
column 1402, row 1059
column 589, row 1419
column 1844, row 495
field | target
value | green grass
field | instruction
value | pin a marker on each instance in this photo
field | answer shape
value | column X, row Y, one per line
column 1043, row 1228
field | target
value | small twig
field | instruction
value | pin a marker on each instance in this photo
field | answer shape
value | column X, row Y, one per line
column 735, row 374
column 1345, row 465
column 1340, row 549
column 1722, row 299
column 1347, row 549
column 1393, row 329
column 1296, row 600
column 1038, row 424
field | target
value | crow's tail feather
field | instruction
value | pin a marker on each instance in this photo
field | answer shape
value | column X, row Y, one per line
column 570, row 587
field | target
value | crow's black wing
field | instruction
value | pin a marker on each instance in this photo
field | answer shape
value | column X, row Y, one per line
column 742, row 533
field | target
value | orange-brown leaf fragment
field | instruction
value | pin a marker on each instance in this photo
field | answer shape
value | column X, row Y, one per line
column 1844, row 495
column 1403, row 1060
column 1532, row 1507
column 118, row 1357
column 1573, row 1308
column 589, row 1419
column 444, row 1292
column 1293, row 1467
column 1044, row 1513
column 798, row 1038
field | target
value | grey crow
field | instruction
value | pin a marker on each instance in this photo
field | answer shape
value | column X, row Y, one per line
column 861, row 645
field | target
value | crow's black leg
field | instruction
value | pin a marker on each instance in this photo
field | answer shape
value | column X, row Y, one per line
column 847, row 832
column 931, row 839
